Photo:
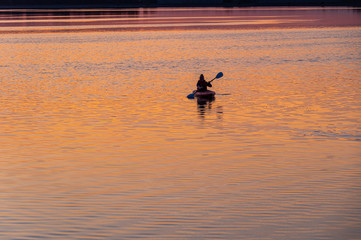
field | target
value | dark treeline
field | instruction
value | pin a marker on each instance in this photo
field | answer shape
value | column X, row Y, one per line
column 74, row 2
column 169, row 3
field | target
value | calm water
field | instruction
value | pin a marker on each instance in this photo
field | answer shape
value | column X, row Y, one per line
column 98, row 139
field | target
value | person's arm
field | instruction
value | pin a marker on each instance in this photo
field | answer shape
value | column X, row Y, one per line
column 199, row 86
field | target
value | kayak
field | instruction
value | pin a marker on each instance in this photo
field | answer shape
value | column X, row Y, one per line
column 207, row 93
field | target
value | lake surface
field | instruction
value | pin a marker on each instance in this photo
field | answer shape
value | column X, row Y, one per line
column 98, row 139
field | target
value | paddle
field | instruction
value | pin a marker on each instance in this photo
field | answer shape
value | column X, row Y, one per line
column 219, row 75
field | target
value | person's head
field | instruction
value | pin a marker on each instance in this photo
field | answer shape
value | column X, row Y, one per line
column 201, row 77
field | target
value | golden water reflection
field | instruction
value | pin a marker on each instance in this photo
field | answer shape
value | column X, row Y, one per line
column 98, row 139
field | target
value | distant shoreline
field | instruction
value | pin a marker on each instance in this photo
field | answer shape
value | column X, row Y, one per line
column 349, row 3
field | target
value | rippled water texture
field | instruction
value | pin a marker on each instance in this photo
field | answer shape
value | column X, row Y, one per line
column 98, row 139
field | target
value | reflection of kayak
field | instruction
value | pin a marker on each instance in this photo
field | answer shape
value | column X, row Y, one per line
column 207, row 93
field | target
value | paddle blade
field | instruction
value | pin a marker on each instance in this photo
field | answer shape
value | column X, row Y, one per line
column 219, row 75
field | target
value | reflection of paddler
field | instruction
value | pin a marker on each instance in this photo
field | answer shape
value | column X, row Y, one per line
column 204, row 105
column 205, row 100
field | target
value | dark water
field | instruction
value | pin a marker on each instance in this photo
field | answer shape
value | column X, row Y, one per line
column 98, row 139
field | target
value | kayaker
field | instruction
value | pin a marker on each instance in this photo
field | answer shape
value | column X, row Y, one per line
column 202, row 84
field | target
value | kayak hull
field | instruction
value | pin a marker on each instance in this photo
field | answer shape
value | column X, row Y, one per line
column 205, row 94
